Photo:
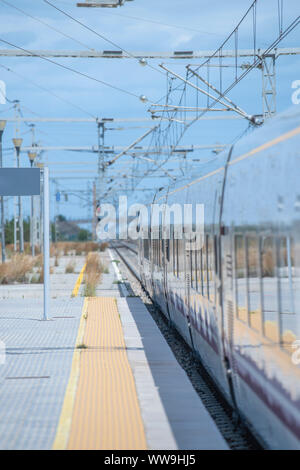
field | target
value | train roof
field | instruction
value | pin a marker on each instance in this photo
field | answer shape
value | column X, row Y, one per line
column 274, row 127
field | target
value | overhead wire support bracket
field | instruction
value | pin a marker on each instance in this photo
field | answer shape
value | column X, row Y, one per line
column 230, row 102
column 242, row 113
column 131, row 146
column 173, row 107
column 102, row 4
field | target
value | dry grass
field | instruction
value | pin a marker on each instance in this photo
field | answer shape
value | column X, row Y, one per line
column 78, row 248
column 16, row 269
column 9, row 248
column 38, row 261
column 39, row 278
column 70, row 268
column 268, row 263
column 92, row 275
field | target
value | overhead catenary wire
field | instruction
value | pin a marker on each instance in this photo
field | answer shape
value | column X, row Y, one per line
column 98, row 34
column 47, row 90
column 46, row 24
column 147, row 20
column 222, row 94
column 70, row 69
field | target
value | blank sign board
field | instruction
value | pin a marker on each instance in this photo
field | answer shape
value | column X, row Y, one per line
column 19, row 181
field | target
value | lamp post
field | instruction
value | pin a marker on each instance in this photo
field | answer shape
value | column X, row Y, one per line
column 17, row 144
column 2, row 127
column 32, row 156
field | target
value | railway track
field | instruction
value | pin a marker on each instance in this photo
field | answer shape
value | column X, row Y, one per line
column 234, row 431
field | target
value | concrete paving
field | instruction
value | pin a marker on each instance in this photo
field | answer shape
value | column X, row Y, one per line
column 38, row 357
column 36, row 370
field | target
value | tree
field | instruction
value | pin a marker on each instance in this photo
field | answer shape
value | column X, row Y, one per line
column 83, row 235
column 9, row 230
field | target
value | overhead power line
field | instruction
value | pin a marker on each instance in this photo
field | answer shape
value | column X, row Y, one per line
column 45, row 24
column 70, row 69
column 146, row 20
column 101, row 36
column 47, row 90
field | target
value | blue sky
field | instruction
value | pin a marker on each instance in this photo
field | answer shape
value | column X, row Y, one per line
column 166, row 25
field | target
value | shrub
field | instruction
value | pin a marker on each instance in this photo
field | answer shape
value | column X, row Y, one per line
column 70, row 268
column 17, row 269
column 92, row 275
column 103, row 246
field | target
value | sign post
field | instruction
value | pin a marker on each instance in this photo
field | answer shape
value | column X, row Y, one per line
column 27, row 182
column 46, row 243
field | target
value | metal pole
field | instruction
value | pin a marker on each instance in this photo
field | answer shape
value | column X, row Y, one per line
column 32, row 156
column 32, row 228
column 46, row 244
column 21, row 227
column 94, row 210
column 15, row 224
column 2, row 209
column 32, row 223
column 41, row 221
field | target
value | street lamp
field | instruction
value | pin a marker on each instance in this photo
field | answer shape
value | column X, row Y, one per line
column 2, row 127
column 32, row 156
column 17, row 144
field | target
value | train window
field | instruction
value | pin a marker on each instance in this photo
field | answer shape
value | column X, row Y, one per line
column 168, row 252
column 270, row 288
column 216, row 254
column 152, row 251
column 215, row 266
column 254, row 282
column 156, row 252
column 200, row 270
column 174, row 254
column 204, row 268
column 146, row 248
column 287, row 286
column 195, row 254
column 191, row 268
column 210, row 267
column 177, row 258
column 240, row 278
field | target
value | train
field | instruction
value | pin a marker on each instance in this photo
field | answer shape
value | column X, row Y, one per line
column 235, row 296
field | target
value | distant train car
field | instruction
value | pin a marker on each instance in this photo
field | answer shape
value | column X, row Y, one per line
column 236, row 298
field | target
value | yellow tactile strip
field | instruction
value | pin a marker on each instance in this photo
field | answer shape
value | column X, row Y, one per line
column 65, row 420
column 106, row 413
column 78, row 282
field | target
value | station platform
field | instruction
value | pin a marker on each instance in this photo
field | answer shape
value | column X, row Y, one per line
column 97, row 376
